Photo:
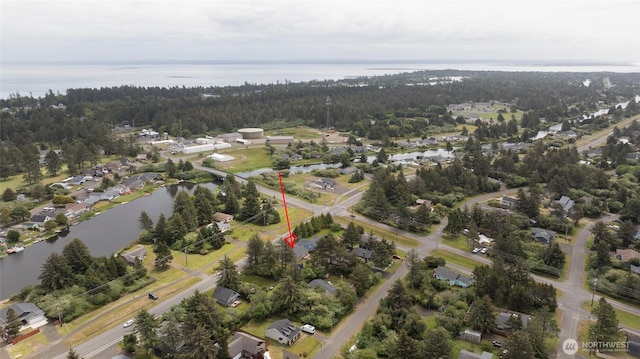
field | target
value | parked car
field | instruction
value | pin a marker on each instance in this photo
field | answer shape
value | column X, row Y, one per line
column 153, row 296
column 308, row 328
column 484, row 250
column 128, row 323
column 496, row 343
column 475, row 250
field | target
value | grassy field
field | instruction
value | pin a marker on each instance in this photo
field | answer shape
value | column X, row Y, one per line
column 456, row 259
column 381, row 233
column 458, row 241
column 624, row 318
column 245, row 160
column 28, row 346
column 299, row 133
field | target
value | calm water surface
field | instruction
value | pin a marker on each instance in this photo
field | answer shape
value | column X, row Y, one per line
column 104, row 235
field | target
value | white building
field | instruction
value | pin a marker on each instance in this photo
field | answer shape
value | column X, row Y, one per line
column 205, row 147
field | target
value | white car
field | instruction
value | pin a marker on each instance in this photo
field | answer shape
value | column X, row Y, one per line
column 484, row 250
column 308, row 328
column 128, row 323
column 475, row 250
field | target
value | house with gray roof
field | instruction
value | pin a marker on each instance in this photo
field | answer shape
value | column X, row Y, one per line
column 303, row 246
column 503, row 323
column 28, row 313
column 225, row 296
column 283, row 331
column 567, row 204
column 245, row 346
column 135, row 254
column 363, row 253
column 453, row 277
column 545, row 236
column 321, row 283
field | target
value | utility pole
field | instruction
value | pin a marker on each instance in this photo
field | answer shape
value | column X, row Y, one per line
column 59, row 316
column 186, row 258
column 328, row 103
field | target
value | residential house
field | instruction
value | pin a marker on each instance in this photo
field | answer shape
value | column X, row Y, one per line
column 320, row 283
column 348, row 170
column 28, row 313
column 465, row 354
column 566, row 203
column 471, row 335
column 135, row 254
column 225, row 296
column 633, row 345
column 39, row 219
column 426, row 202
column 503, row 325
column 453, row 277
column 223, row 226
column 363, row 253
column 245, row 346
column 625, row 255
column 142, row 157
column 125, row 162
column 508, row 202
column 304, row 246
column 77, row 180
column 222, row 217
column 75, row 209
column 112, row 166
column 283, row 331
column 132, row 183
column 545, row 236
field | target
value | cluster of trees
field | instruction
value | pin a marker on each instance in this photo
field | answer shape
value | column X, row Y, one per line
column 77, row 282
column 195, row 328
column 314, row 225
column 398, row 331
column 389, row 198
column 613, row 276
column 510, row 286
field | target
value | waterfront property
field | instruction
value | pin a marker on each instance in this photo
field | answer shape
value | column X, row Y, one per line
column 28, row 313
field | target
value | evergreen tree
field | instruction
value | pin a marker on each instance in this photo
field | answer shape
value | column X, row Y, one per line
column 254, row 251
column 145, row 221
column 184, row 206
column 229, row 276
column 251, row 206
column 77, row 255
column 553, row 256
column 351, row 236
column 606, row 327
column 287, row 296
column 13, row 323
column 438, row 343
column 231, row 204
column 518, row 346
column 482, row 317
column 361, row 278
column 170, row 167
column 163, row 255
column 454, row 225
column 146, row 327
column 53, row 162
column 56, row 273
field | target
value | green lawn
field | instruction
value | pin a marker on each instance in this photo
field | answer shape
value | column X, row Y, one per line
column 27, row 346
column 456, row 259
column 381, row 233
column 459, row 241
column 624, row 318
column 245, row 160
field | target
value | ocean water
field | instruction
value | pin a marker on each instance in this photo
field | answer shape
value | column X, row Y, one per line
column 37, row 79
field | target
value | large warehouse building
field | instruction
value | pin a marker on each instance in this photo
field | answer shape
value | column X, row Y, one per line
column 251, row 133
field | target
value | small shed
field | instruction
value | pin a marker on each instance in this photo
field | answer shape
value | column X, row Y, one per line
column 471, row 335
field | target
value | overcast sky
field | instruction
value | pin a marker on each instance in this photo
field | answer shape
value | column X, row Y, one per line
column 87, row 30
